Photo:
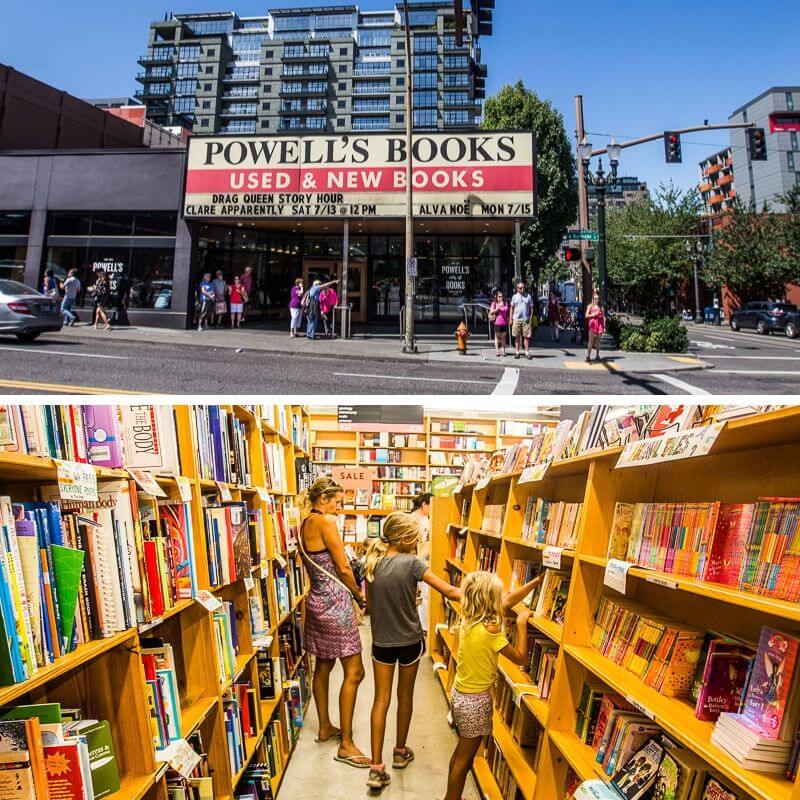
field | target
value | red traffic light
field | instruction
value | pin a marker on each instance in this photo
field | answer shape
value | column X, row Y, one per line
column 572, row 254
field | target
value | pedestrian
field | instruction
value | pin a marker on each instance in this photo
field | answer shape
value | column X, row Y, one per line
column 553, row 315
column 295, row 307
column 50, row 285
column 328, row 300
column 421, row 512
column 480, row 642
column 522, row 314
column 394, row 572
column 101, row 292
column 597, row 326
column 498, row 315
column 71, row 288
column 312, row 306
column 220, row 288
column 205, row 299
column 123, row 301
column 238, row 297
column 247, row 282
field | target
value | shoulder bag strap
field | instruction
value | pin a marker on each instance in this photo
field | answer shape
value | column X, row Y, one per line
column 322, row 569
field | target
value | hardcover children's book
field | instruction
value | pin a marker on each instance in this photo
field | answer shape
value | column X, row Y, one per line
column 639, row 773
column 725, row 671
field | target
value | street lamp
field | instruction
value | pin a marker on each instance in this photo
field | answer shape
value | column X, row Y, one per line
column 601, row 181
column 409, row 345
column 695, row 253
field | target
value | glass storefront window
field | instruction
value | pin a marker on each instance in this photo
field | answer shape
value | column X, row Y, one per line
column 12, row 262
column 14, row 223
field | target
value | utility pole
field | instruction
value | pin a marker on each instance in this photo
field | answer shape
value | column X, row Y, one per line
column 409, row 345
column 583, row 203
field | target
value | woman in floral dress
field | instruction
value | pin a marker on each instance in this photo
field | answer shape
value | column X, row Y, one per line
column 331, row 628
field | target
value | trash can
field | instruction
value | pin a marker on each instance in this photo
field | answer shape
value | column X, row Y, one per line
column 708, row 315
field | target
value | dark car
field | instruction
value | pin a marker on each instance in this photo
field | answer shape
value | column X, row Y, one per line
column 763, row 315
column 791, row 325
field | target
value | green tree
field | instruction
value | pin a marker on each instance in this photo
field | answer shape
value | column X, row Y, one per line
column 645, row 244
column 520, row 109
column 757, row 254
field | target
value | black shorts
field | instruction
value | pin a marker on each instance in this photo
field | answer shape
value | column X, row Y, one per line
column 501, row 328
column 407, row 655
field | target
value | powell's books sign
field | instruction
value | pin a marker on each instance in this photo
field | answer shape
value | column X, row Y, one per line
column 458, row 175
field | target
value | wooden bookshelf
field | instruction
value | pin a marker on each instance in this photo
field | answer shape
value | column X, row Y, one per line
column 106, row 677
column 753, row 457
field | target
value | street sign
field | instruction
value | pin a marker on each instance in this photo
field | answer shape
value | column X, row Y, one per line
column 583, row 236
column 411, row 267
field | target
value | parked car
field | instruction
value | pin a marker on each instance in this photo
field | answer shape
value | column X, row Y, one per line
column 25, row 312
column 764, row 316
column 792, row 324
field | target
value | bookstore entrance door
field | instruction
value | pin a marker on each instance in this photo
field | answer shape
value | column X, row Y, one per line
column 325, row 269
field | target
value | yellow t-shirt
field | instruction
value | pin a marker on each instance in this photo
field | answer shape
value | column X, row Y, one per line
column 477, row 659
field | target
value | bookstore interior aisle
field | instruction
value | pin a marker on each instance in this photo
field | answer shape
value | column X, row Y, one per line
column 152, row 597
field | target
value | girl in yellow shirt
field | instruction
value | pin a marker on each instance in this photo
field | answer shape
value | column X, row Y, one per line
column 481, row 641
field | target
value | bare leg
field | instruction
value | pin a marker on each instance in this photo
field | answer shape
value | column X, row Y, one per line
column 384, row 677
column 322, row 675
column 460, row 764
column 405, row 702
column 497, row 343
column 353, row 675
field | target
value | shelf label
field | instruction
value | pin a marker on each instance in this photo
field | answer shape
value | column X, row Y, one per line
column 671, row 446
column 184, row 488
column 249, row 583
column 534, row 473
column 639, row 707
column 76, row 481
column 208, row 600
column 262, row 493
column 146, row 482
column 224, row 492
column 659, row 581
column 616, row 575
column 264, row 567
column 181, row 757
column 483, row 483
column 594, row 789
column 551, row 556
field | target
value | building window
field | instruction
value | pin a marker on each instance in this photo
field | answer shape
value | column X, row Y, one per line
column 400, row 118
column 269, row 54
column 212, row 51
column 375, row 38
column 209, row 70
column 341, row 104
column 401, row 63
column 342, row 86
column 342, row 51
column 315, row 123
column 793, row 140
column 364, row 104
column 400, row 82
column 294, row 51
column 456, row 118
column 186, row 87
column 265, row 106
column 456, row 79
column 789, row 101
column 206, row 87
column 242, row 91
column 160, row 88
column 189, row 52
column 426, row 80
column 204, row 123
column 426, row 44
column 456, row 62
column 425, row 63
column 268, row 70
column 340, row 123
column 426, row 118
column 456, row 98
column 426, row 99
column 790, row 161
column 206, row 104
column 188, row 70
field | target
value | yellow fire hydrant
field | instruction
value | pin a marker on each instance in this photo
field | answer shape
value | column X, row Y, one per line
column 462, row 334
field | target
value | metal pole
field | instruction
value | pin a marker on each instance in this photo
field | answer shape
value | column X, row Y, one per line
column 601, row 243
column 518, row 251
column 653, row 137
column 345, row 270
column 698, row 312
column 583, row 202
column 409, row 345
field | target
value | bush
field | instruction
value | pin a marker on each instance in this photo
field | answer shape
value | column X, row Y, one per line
column 659, row 335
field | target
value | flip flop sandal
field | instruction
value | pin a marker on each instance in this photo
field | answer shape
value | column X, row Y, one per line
column 329, row 739
column 352, row 761
column 378, row 778
column 401, row 759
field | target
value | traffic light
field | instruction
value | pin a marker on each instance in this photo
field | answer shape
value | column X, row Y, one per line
column 672, row 148
column 459, row 9
column 757, row 144
column 482, row 11
column 572, row 254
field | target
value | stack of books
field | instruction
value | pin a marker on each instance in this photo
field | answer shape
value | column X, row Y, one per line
column 551, row 522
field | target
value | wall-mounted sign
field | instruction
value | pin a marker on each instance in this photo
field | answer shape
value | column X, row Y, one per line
column 455, row 176
column 354, row 477
column 399, row 419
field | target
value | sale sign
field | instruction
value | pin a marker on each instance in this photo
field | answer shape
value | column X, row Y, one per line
column 354, row 477
column 454, row 175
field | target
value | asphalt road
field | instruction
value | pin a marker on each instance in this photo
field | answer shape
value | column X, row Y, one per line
column 745, row 363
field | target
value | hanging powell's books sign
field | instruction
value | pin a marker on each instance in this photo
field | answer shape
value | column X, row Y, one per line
column 456, row 175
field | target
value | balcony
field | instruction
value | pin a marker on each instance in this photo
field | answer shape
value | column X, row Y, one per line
column 304, row 74
column 155, row 58
column 306, row 57
column 725, row 180
column 146, row 92
column 707, row 186
column 144, row 77
column 371, row 72
column 382, row 108
column 240, row 79
column 714, row 169
column 304, row 110
column 365, row 88
column 228, row 113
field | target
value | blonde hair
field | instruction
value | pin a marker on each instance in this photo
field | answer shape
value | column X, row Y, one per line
column 323, row 488
column 397, row 529
column 482, row 600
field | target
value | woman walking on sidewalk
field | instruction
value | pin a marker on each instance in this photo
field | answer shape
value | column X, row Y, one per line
column 597, row 326
column 295, row 308
column 238, row 297
column 220, row 288
column 553, row 315
column 101, row 291
column 498, row 314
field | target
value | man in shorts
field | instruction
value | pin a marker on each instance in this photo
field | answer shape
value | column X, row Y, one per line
column 522, row 319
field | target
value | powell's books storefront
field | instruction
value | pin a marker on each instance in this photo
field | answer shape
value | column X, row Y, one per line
column 289, row 207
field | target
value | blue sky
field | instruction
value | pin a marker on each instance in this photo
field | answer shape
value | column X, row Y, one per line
column 642, row 65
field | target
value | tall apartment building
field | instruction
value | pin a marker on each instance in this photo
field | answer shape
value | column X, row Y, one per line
column 328, row 68
column 624, row 191
column 777, row 110
column 717, row 189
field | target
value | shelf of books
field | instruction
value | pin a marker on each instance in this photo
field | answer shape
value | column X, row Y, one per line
column 664, row 638
column 150, row 599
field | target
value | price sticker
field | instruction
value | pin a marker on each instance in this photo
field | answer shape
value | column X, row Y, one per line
column 76, row 481
column 551, row 557
column 184, row 488
column 616, row 574
column 249, row 583
column 535, row 473
column 224, row 492
column 208, row 600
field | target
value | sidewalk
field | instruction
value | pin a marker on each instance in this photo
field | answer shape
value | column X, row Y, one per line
column 433, row 348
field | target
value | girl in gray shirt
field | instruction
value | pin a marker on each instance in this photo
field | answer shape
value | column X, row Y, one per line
column 394, row 572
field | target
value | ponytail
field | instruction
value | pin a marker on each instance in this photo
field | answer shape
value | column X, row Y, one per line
column 397, row 528
column 322, row 488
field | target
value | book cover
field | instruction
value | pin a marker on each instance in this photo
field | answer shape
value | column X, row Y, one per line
column 723, row 681
column 102, row 431
column 716, row 790
column 102, row 758
column 729, row 543
column 767, row 699
column 639, row 773
column 65, row 777
column 67, row 571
